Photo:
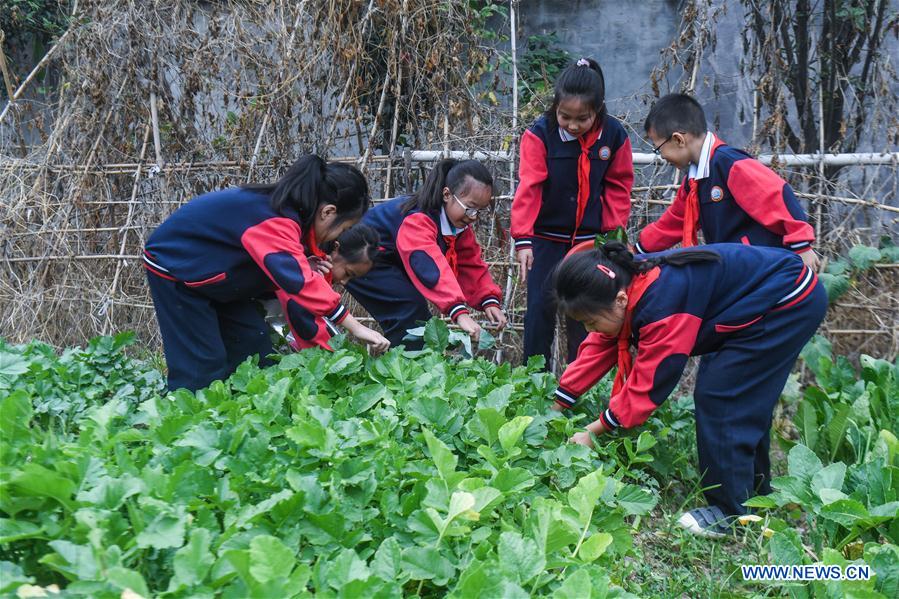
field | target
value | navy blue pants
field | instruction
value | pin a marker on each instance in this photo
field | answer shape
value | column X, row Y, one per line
column 540, row 318
column 737, row 389
column 205, row 340
column 388, row 294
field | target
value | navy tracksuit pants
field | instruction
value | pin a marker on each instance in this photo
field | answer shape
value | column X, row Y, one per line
column 736, row 391
column 205, row 340
column 388, row 294
column 540, row 318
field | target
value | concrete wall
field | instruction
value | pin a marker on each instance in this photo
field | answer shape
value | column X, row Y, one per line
column 626, row 37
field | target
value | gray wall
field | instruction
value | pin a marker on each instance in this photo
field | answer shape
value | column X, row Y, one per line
column 627, row 37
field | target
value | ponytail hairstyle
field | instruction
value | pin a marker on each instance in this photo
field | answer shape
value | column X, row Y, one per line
column 588, row 282
column 451, row 173
column 357, row 244
column 585, row 80
column 311, row 182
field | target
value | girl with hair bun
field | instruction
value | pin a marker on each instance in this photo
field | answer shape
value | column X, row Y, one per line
column 749, row 310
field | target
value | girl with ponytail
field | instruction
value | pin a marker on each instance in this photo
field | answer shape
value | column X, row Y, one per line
column 429, row 253
column 210, row 261
column 576, row 174
column 748, row 310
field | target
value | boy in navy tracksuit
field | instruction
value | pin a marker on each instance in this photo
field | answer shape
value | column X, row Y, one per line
column 576, row 175
column 728, row 194
column 752, row 309
column 210, row 260
column 429, row 253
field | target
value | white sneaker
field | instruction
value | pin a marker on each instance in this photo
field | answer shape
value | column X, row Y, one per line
column 708, row 522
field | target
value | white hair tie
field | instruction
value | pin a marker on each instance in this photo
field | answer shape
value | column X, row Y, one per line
column 583, row 62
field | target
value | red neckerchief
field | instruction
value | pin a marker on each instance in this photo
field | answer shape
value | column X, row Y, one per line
column 634, row 292
column 583, row 175
column 691, row 214
column 312, row 246
column 451, row 257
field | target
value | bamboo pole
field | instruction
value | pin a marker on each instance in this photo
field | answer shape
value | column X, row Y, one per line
column 374, row 127
column 37, row 69
column 351, row 76
column 107, row 328
column 268, row 110
column 513, row 36
column 157, row 143
column 7, row 76
column 394, row 131
column 780, row 160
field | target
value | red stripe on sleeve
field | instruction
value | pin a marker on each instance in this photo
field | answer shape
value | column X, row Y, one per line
column 419, row 233
column 759, row 191
column 672, row 336
column 669, row 229
column 473, row 274
column 617, row 185
column 532, row 172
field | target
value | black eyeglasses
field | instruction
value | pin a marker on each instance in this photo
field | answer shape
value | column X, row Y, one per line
column 657, row 150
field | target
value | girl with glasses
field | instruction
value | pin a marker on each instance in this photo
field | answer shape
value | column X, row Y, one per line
column 429, row 254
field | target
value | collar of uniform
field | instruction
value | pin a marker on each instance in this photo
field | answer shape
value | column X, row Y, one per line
column 701, row 170
column 446, row 227
column 565, row 135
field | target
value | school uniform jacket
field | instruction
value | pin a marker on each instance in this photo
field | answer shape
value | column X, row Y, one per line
column 688, row 310
column 546, row 201
column 231, row 245
column 443, row 263
column 740, row 201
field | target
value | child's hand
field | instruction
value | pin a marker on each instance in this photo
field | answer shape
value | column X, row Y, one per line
column 525, row 262
column 373, row 339
column 467, row 324
column 556, row 407
column 321, row 265
column 811, row 259
column 497, row 317
column 582, row 438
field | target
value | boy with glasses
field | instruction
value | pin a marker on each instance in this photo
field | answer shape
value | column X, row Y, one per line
column 729, row 195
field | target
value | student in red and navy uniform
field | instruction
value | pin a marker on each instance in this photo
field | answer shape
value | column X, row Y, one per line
column 429, row 253
column 576, row 176
column 729, row 195
column 213, row 257
column 749, row 310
